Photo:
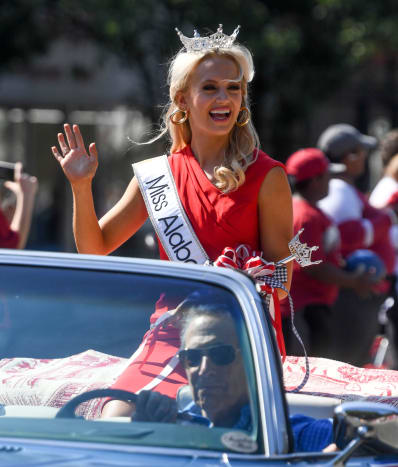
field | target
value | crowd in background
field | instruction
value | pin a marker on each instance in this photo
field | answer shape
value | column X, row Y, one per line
column 341, row 304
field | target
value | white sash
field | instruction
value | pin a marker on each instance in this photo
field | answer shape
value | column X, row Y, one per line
column 166, row 212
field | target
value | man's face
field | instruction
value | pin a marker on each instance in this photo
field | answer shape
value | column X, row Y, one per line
column 219, row 389
column 356, row 162
column 321, row 185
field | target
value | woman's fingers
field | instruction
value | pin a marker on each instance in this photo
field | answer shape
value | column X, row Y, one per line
column 70, row 136
column 74, row 139
column 18, row 171
column 64, row 147
column 56, row 154
column 78, row 136
column 11, row 185
column 93, row 150
column 71, row 154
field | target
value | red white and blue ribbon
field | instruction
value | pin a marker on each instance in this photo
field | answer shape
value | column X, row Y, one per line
column 268, row 278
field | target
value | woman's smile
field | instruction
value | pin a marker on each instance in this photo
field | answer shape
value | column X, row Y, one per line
column 220, row 114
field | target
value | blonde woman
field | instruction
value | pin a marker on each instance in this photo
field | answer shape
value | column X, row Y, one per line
column 219, row 173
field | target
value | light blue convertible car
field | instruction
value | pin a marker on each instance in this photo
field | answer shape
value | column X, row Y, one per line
column 69, row 325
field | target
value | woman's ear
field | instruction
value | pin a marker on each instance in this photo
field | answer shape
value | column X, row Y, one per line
column 180, row 100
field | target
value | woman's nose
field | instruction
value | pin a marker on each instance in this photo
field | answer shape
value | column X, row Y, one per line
column 222, row 95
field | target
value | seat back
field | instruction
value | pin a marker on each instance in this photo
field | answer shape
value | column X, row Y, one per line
column 313, row 406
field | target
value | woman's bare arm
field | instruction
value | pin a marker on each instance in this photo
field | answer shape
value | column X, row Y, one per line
column 120, row 223
column 276, row 219
column 125, row 218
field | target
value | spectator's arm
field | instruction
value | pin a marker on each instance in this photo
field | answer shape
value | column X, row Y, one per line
column 362, row 282
column 25, row 188
column 381, row 221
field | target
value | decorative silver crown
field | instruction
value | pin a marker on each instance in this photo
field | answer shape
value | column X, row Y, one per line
column 301, row 252
column 214, row 41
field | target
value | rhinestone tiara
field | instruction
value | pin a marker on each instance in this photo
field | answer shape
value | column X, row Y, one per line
column 301, row 251
column 214, row 41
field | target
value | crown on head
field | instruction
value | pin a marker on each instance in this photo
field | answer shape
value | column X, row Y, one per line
column 214, row 41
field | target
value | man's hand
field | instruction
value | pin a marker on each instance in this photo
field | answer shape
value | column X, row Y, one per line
column 154, row 407
column 331, row 448
column 364, row 283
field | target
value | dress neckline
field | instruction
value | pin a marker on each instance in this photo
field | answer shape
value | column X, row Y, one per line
column 203, row 179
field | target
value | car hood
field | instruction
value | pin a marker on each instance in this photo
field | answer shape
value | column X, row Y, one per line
column 33, row 453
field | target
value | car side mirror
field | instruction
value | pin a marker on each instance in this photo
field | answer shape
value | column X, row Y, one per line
column 364, row 423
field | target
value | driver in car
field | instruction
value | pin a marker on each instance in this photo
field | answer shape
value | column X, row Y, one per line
column 212, row 358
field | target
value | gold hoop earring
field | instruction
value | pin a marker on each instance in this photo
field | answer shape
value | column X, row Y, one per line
column 247, row 120
column 182, row 120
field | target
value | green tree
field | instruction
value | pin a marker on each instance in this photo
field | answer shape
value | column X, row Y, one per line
column 303, row 50
column 26, row 27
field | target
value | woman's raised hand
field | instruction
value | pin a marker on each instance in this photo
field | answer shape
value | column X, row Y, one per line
column 77, row 164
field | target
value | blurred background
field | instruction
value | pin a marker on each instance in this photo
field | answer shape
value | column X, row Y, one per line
column 103, row 64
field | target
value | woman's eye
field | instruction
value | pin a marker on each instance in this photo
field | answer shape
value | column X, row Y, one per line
column 234, row 87
column 209, row 87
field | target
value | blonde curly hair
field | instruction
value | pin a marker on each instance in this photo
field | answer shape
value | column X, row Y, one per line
column 243, row 140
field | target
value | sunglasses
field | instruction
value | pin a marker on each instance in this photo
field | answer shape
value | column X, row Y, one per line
column 220, row 355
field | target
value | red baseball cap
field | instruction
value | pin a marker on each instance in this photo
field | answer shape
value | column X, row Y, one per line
column 310, row 162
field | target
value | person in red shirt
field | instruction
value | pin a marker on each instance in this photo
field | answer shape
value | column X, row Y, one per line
column 361, row 226
column 315, row 288
column 14, row 229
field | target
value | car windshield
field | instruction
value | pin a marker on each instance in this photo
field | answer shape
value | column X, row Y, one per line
column 65, row 331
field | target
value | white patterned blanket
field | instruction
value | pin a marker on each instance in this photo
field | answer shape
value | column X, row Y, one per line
column 28, row 381
column 338, row 379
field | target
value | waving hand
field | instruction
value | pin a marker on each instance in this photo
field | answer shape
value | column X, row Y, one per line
column 77, row 164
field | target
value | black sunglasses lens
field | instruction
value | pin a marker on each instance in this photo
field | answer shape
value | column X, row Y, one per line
column 222, row 354
column 191, row 357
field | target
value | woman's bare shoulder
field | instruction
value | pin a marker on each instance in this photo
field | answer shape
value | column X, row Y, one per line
column 275, row 181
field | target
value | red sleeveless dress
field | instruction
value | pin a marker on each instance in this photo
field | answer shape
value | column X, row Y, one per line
column 216, row 218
